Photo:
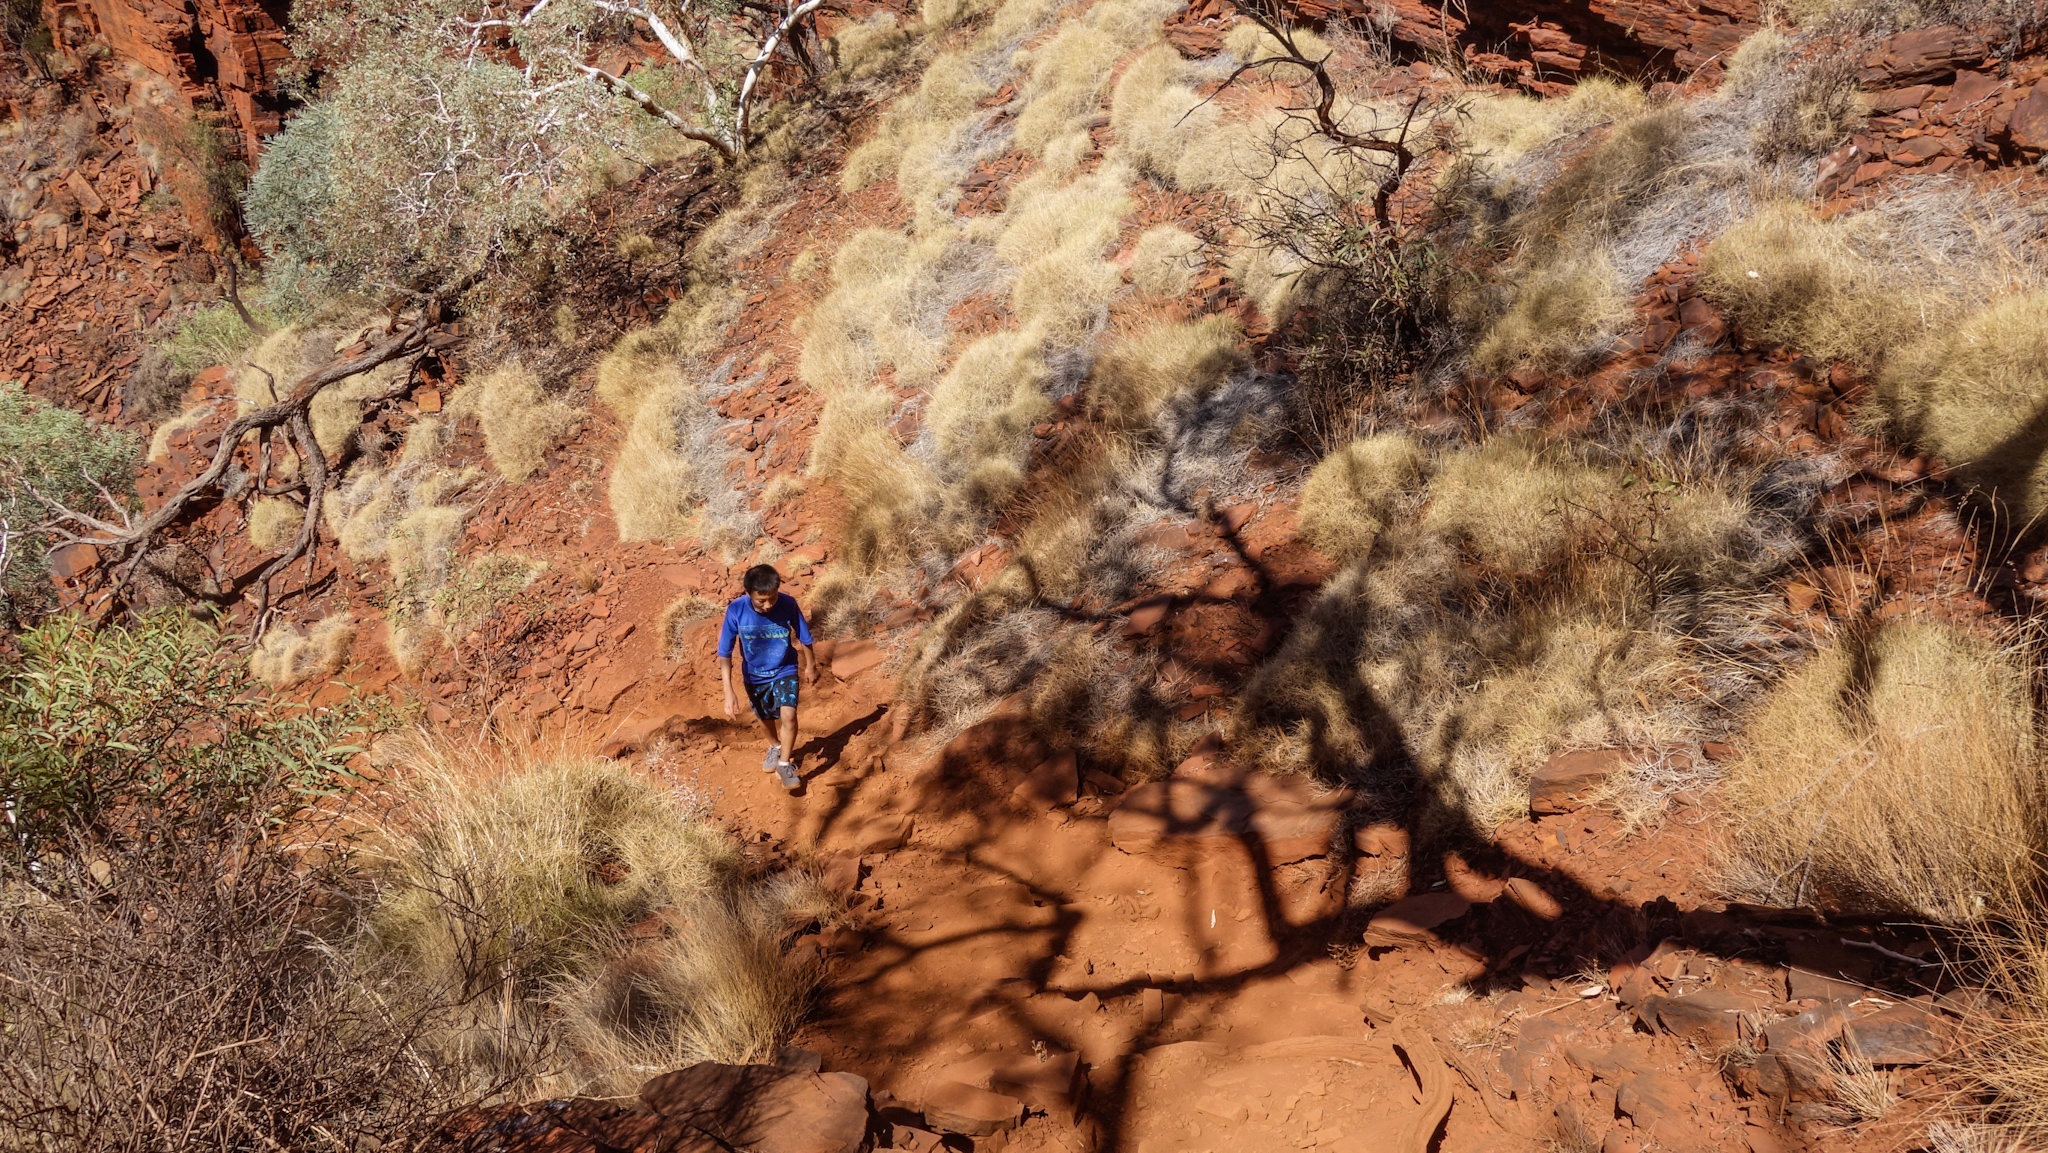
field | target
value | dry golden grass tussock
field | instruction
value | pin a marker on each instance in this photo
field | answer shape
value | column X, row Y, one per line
column 1600, row 192
column 1248, row 42
column 511, row 876
column 1054, row 235
column 946, row 99
column 1784, row 276
column 989, row 399
column 1066, row 295
column 1063, row 523
column 1045, row 215
column 1070, row 73
column 286, row 656
column 672, row 627
column 723, row 989
column 885, row 309
column 1560, row 679
column 1351, row 493
column 1502, row 129
column 427, row 439
column 476, row 590
column 520, row 421
column 647, row 362
column 274, row 523
column 268, row 373
column 780, row 490
column 1159, row 119
column 186, row 421
column 276, row 365
column 1141, row 372
column 1516, row 504
column 364, row 513
column 1561, row 311
column 939, row 15
column 1015, row 20
column 1165, row 260
column 885, row 489
column 1898, row 772
column 422, row 543
column 865, row 48
column 1310, row 708
column 1970, row 392
column 2004, row 1056
column 653, row 489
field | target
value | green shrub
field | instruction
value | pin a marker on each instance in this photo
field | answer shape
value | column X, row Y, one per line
column 64, row 457
column 208, row 336
column 100, row 727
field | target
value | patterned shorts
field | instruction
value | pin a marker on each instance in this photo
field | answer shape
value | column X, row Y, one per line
column 771, row 697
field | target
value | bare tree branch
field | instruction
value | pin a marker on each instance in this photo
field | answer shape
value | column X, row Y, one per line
column 134, row 540
column 761, row 58
column 652, row 107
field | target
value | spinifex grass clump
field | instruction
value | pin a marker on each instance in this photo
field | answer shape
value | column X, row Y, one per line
column 590, row 924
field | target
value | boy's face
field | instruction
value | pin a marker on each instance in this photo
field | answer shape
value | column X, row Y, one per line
column 764, row 601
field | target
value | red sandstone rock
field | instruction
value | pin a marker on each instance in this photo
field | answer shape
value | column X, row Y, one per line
column 2028, row 125
column 1900, row 1035
column 1411, row 920
column 765, row 1108
column 214, row 53
column 1710, row 1017
column 1560, row 784
column 1532, row 897
column 1922, row 54
column 953, row 1107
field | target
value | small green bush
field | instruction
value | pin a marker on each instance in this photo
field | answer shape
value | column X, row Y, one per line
column 208, row 336
column 94, row 722
column 62, row 456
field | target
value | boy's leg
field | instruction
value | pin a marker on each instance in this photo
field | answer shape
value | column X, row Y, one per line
column 768, row 730
column 788, row 733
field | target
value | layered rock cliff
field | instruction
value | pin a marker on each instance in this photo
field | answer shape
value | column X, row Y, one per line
column 217, row 55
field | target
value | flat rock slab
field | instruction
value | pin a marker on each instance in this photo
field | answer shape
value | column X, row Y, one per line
column 1711, row 1017
column 1900, row 1035
column 957, row 1107
column 1050, row 1081
column 1056, row 781
column 1413, row 920
column 850, row 659
column 765, row 1108
column 1561, row 785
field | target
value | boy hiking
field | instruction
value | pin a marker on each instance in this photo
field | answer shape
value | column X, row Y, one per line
column 775, row 649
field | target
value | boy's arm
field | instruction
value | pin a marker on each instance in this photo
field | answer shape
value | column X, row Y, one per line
column 807, row 661
column 725, row 639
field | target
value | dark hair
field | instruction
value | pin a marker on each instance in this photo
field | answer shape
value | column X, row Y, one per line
column 762, row 578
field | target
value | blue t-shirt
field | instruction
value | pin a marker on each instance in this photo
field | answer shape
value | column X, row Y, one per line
column 767, row 640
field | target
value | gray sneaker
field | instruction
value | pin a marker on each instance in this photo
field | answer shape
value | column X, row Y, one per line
column 786, row 772
column 774, row 755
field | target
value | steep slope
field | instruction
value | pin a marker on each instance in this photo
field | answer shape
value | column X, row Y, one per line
column 1183, row 799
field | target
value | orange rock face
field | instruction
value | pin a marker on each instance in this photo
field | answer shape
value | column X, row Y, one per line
column 1546, row 45
column 217, row 54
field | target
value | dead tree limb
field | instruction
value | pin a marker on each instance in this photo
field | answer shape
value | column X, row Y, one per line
column 1392, row 142
column 127, row 544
